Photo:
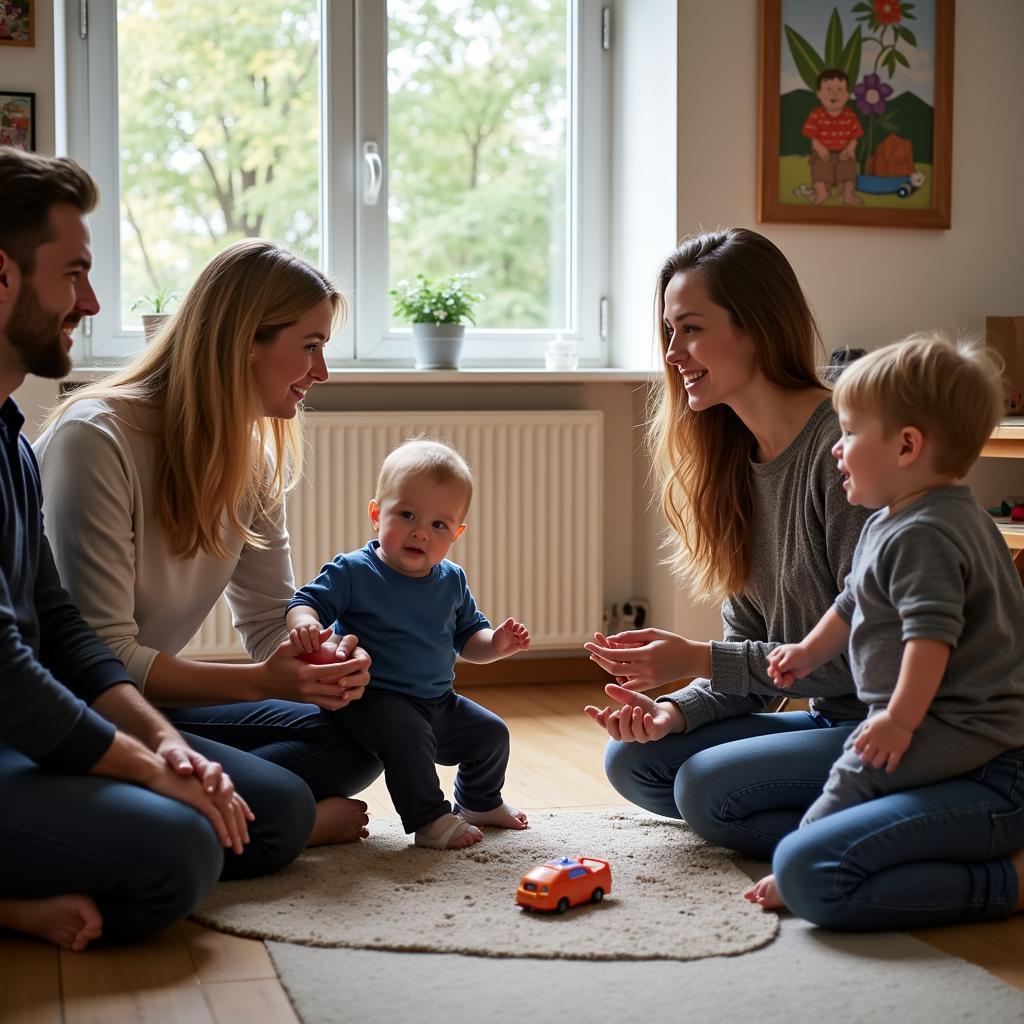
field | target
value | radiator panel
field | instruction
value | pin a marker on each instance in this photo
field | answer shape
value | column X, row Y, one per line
column 533, row 548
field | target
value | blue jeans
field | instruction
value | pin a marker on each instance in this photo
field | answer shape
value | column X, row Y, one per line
column 936, row 855
column 742, row 783
column 299, row 737
column 147, row 861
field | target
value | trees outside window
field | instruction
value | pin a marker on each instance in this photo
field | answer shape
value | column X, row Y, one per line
column 211, row 120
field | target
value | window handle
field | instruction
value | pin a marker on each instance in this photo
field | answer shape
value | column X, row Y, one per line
column 374, row 173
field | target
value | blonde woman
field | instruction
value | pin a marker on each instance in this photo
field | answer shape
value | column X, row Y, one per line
column 164, row 489
column 741, row 440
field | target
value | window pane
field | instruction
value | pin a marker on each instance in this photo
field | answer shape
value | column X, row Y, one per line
column 219, row 106
column 478, row 158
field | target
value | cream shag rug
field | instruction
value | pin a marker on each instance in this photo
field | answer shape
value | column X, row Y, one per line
column 673, row 897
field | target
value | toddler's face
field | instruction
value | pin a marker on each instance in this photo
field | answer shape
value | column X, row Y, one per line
column 418, row 522
column 833, row 95
column 868, row 460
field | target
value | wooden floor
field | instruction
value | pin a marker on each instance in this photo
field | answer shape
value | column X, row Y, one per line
column 192, row 975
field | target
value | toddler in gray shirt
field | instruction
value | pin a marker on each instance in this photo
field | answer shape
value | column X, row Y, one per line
column 933, row 605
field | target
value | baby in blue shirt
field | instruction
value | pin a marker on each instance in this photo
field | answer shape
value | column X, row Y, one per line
column 413, row 612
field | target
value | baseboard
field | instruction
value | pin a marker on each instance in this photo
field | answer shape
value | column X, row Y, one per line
column 516, row 671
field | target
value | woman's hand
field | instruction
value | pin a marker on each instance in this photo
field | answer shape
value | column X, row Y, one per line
column 338, row 676
column 640, row 720
column 641, row 659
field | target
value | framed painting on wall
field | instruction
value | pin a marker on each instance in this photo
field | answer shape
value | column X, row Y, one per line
column 17, row 23
column 856, row 112
column 18, row 119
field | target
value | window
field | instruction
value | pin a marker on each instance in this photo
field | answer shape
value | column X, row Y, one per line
column 377, row 140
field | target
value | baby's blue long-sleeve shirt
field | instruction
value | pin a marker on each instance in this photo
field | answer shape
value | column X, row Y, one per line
column 411, row 626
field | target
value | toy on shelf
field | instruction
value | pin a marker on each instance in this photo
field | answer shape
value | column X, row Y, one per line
column 563, row 883
column 1011, row 508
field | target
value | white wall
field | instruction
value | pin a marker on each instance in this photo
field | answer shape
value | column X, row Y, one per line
column 868, row 285
column 643, row 214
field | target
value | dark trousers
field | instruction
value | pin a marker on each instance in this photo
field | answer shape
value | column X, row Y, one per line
column 410, row 735
column 299, row 737
column 148, row 861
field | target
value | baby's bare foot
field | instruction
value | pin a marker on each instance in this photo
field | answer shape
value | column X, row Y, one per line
column 339, row 820
column 449, row 832
column 765, row 893
column 505, row 816
column 71, row 922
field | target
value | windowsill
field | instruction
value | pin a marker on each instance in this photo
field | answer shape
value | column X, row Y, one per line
column 473, row 375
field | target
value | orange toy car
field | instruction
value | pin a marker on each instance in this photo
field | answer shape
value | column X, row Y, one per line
column 564, row 883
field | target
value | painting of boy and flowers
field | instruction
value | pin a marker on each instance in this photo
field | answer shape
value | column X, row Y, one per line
column 855, row 111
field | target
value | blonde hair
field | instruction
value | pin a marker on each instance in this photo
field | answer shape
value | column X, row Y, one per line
column 951, row 391
column 212, row 436
column 701, row 460
column 428, row 457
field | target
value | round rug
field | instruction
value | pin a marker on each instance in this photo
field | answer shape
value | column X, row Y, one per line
column 673, row 896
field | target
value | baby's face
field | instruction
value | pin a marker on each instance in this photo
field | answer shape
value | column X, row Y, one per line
column 833, row 95
column 417, row 522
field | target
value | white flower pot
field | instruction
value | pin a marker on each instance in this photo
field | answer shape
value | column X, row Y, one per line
column 437, row 346
column 152, row 323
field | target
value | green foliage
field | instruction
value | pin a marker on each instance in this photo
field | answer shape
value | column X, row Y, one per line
column 844, row 56
column 158, row 301
column 220, row 140
column 219, row 132
column 446, row 301
column 478, row 151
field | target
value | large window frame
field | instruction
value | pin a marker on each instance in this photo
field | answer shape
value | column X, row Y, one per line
column 354, row 233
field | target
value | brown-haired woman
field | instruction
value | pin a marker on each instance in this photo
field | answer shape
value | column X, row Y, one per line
column 740, row 438
column 164, row 489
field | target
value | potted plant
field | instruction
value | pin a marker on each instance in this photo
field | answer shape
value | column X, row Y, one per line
column 437, row 311
column 158, row 306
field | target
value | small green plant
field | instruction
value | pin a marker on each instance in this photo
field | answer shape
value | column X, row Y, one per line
column 445, row 301
column 157, row 302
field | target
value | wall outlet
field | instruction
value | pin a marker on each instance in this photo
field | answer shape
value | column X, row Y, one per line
column 635, row 614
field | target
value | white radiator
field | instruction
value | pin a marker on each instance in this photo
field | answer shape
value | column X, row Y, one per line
column 534, row 544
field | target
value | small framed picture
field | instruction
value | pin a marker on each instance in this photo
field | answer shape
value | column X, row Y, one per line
column 18, row 119
column 856, row 112
column 17, row 23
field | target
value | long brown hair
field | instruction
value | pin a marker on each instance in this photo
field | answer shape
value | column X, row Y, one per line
column 701, row 460
column 212, row 435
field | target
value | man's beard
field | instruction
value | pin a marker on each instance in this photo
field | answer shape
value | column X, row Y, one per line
column 35, row 335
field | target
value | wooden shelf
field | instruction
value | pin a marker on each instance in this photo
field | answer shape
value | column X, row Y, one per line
column 1007, row 441
column 1013, row 535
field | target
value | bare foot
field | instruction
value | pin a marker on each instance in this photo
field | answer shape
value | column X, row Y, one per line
column 766, row 894
column 339, row 820
column 505, row 816
column 449, row 832
column 849, row 198
column 1018, row 865
column 71, row 922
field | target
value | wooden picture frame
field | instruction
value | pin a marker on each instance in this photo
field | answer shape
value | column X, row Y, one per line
column 891, row 57
column 17, row 22
column 18, row 119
